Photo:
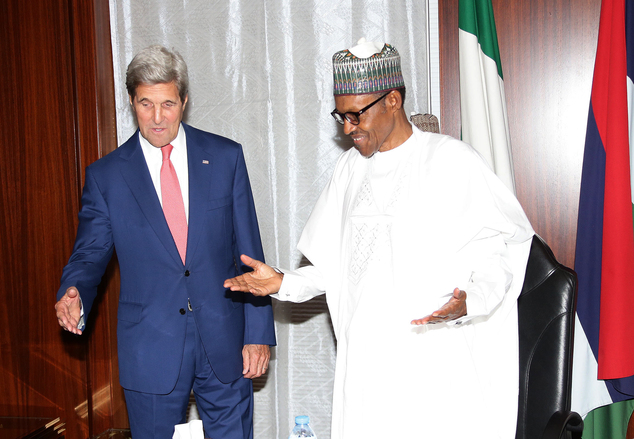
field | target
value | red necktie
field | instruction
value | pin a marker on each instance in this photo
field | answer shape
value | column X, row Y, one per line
column 173, row 206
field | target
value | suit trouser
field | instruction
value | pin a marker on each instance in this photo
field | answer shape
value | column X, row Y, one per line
column 225, row 409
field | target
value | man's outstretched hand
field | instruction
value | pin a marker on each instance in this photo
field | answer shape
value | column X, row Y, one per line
column 68, row 310
column 262, row 281
column 455, row 308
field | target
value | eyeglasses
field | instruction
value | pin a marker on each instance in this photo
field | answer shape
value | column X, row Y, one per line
column 353, row 116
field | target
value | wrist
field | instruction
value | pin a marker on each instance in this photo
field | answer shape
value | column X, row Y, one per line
column 279, row 272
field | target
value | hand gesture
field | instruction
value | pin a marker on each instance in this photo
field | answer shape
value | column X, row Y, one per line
column 68, row 310
column 262, row 281
column 455, row 308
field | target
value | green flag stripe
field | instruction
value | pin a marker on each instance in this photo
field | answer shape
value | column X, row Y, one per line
column 476, row 17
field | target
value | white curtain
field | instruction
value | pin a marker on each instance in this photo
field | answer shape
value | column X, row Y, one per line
column 260, row 73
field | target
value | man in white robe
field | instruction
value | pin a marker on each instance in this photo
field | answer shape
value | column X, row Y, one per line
column 410, row 224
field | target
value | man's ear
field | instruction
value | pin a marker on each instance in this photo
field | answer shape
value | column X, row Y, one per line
column 185, row 101
column 131, row 99
column 394, row 100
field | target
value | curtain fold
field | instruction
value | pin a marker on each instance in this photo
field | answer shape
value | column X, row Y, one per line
column 260, row 74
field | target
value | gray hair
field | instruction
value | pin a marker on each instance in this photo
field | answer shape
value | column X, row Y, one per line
column 157, row 65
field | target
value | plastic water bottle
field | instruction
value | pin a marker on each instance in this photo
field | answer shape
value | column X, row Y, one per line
column 302, row 429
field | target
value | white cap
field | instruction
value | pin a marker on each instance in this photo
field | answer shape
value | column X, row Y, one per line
column 365, row 49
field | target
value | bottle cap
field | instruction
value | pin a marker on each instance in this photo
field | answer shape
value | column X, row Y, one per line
column 301, row 420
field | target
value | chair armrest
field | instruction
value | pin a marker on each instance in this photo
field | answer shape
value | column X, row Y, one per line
column 560, row 422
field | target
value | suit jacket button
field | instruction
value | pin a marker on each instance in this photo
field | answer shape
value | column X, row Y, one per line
column 186, row 273
column 182, row 311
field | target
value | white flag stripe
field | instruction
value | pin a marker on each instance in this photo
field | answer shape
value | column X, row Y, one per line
column 630, row 102
column 586, row 394
column 483, row 108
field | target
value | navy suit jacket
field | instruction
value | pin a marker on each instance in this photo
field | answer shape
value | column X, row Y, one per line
column 121, row 210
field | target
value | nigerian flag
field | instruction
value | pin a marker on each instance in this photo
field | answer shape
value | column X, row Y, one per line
column 482, row 101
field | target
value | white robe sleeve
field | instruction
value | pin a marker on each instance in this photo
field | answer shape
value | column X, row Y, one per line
column 493, row 235
column 300, row 285
column 319, row 242
column 491, row 276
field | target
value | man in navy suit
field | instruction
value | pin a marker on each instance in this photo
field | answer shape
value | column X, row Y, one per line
column 178, row 329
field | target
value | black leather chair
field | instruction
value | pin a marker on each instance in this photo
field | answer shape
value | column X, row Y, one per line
column 546, row 309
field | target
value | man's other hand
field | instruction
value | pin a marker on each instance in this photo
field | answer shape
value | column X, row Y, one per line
column 68, row 311
column 255, row 360
column 455, row 308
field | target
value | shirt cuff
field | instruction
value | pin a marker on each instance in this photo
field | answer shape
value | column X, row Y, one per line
column 81, row 325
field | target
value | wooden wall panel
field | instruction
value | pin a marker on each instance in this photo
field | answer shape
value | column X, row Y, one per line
column 93, row 78
column 44, row 369
column 547, row 49
column 57, row 116
column 449, row 68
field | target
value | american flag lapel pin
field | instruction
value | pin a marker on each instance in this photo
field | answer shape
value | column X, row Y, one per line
column 205, row 162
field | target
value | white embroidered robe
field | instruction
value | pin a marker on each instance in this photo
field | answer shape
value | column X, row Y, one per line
column 389, row 239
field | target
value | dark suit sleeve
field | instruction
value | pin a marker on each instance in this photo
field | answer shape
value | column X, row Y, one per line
column 93, row 246
column 259, row 326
